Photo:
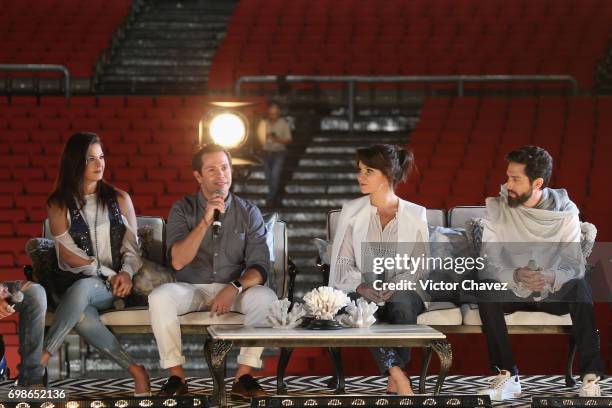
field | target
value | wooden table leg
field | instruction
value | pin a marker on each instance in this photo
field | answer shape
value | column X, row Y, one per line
column 425, row 360
column 215, row 352
column 283, row 361
column 445, row 354
column 336, row 356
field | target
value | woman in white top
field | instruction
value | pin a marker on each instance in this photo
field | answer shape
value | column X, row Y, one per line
column 380, row 224
column 94, row 229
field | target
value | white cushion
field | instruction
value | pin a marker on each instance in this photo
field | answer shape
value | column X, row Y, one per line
column 471, row 317
column 140, row 317
column 441, row 317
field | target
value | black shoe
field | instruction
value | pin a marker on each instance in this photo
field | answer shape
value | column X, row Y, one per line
column 173, row 386
column 247, row 387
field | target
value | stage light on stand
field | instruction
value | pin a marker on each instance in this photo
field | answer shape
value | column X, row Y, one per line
column 228, row 124
column 228, row 129
column 225, row 124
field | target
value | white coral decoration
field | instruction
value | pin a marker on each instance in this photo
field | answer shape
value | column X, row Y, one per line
column 281, row 318
column 360, row 314
column 325, row 301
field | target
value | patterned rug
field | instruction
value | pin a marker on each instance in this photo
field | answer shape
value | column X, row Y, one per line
column 535, row 385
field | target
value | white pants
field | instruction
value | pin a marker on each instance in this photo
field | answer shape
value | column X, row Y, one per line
column 170, row 300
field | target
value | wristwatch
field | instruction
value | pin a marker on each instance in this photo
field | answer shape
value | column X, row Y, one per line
column 236, row 283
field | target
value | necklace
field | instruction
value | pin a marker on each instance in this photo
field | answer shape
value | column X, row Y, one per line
column 98, row 267
column 97, row 248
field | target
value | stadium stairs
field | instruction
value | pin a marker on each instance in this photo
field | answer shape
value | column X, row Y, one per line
column 166, row 49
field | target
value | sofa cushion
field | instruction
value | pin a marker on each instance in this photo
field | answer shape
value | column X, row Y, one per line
column 140, row 317
column 471, row 317
column 150, row 276
column 449, row 242
column 441, row 317
column 324, row 248
column 46, row 272
column 151, row 231
column 446, row 243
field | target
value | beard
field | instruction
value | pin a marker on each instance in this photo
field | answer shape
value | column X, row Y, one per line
column 516, row 201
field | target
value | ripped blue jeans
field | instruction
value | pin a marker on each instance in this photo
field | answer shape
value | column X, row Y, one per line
column 78, row 310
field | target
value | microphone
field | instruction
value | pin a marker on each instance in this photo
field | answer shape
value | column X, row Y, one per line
column 16, row 297
column 12, row 293
column 217, row 214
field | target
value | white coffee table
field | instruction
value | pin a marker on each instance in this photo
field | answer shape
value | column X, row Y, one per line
column 222, row 338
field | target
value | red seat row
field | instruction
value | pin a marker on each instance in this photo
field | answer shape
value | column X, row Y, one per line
column 66, row 32
column 562, row 37
column 460, row 146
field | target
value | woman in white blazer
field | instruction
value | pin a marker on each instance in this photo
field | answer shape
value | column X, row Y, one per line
column 372, row 226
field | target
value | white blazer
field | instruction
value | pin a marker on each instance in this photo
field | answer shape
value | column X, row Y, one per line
column 411, row 218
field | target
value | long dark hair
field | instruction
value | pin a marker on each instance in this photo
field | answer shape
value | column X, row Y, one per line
column 395, row 162
column 69, row 181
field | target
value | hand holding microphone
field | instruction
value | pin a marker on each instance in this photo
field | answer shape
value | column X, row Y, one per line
column 11, row 294
column 214, row 208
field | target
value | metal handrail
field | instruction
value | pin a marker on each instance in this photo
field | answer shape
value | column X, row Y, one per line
column 42, row 68
column 459, row 79
column 350, row 80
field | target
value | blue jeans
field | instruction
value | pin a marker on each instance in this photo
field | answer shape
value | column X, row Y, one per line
column 31, row 333
column 273, row 167
column 78, row 310
column 403, row 308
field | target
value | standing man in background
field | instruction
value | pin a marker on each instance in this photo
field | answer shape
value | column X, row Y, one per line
column 274, row 135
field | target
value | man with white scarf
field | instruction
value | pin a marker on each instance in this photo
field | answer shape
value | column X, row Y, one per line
column 531, row 240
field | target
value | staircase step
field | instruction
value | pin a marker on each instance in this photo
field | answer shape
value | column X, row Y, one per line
column 321, row 162
column 331, row 150
column 174, row 35
column 293, row 187
column 153, row 79
column 164, row 53
column 303, row 213
column 153, row 63
column 307, row 200
column 322, row 189
column 307, row 232
column 159, row 71
column 358, row 140
column 213, row 25
column 316, row 173
column 169, row 44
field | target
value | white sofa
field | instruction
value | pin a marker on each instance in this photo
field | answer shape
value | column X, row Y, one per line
column 465, row 318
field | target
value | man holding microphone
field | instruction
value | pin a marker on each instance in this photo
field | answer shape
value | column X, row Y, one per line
column 216, row 243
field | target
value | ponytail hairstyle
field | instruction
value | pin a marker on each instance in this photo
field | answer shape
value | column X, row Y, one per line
column 395, row 162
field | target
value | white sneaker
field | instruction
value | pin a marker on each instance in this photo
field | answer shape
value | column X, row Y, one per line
column 503, row 386
column 590, row 386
